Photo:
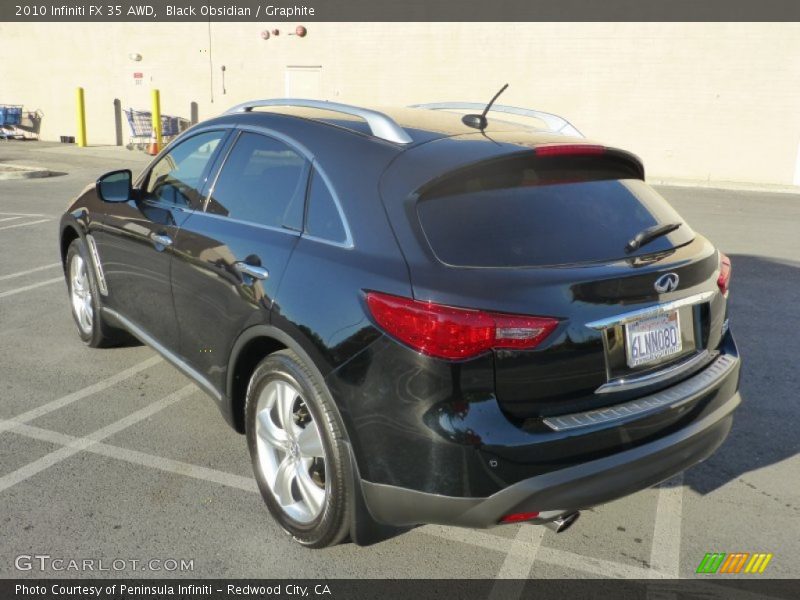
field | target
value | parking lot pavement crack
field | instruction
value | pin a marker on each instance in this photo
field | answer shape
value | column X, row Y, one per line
column 766, row 494
column 79, row 444
column 596, row 566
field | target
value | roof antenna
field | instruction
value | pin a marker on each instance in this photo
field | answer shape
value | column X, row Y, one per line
column 479, row 121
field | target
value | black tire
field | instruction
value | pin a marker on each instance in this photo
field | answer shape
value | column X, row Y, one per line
column 332, row 525
column 101, row 334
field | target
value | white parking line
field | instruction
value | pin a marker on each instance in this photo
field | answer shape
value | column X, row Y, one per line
column 520, row 553
column 58, row 403
column 518, row 563
column 665, row 555
column 9, row 219
column 177, row 467
column 26, row 288
column 138, row 458
column 29, row 271
column 25, row 224
column 79, row 444
column 471, row 537
column 545, row 554
column 22, row 214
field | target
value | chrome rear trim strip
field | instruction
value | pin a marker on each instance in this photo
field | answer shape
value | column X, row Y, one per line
column 631, row 383
column 673, row 397
column 658, row 309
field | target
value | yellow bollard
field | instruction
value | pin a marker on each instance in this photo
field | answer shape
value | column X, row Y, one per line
column 80, row 139
column 157, row 119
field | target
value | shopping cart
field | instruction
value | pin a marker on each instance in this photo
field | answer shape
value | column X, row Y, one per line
column 141, row 125
column 10, row 118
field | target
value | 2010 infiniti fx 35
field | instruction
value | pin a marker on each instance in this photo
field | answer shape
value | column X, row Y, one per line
column 416, row 316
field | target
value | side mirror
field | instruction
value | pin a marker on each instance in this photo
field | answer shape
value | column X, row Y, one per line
column 115, row 186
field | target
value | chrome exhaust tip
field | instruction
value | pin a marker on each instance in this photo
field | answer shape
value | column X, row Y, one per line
column 564, row 522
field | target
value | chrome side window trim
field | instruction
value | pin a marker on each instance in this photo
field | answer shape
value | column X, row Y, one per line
column 223, row 160
column 348, row 242
column 295, row 146
column 315, row 168
column 651, row 311
column 285, row 230
column 319, row 240
column 144, row 177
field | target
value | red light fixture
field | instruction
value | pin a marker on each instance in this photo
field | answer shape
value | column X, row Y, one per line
column 519, row 517
column 724, row 279
column 455, row 333
column 570, row 150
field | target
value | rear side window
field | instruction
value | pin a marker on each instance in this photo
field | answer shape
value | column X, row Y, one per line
column 540, row 211
column 263, row 181
column 323, row 219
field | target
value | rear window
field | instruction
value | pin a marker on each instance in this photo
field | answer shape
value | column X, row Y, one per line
column 540, row 211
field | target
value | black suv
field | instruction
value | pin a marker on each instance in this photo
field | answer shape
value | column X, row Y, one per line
column 415, row 315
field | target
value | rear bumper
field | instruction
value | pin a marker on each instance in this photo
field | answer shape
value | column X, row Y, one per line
column 565, row 490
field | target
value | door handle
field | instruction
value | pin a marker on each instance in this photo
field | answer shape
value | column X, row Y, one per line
column 252, row 270
column 161, row 239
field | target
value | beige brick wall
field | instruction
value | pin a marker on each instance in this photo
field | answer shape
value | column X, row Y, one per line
column 718, row 101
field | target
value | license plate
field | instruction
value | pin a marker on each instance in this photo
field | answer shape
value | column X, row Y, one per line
column 652, row 339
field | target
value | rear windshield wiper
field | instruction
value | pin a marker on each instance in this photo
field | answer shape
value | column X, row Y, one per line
column 645, row 236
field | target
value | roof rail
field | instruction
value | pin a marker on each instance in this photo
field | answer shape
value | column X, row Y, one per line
column 554, row 123
column 381, row 125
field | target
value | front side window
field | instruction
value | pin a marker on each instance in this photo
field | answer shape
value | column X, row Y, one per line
column 263, row 181
column 178, row 177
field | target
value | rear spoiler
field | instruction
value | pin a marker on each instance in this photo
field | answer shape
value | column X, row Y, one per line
column 579, row 149
column 619, row 164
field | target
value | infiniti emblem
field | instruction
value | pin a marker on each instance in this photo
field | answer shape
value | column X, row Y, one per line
column 667, row 283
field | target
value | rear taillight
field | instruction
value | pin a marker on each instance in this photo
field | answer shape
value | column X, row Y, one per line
column 519, row 517
column 570, row 150
column 724, row 279
column 455, row 333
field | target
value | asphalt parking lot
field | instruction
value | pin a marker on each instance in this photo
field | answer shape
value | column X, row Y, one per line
column 113, row 454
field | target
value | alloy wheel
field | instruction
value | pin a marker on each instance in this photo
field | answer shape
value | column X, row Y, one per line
column 290, row 452
column 81, row 294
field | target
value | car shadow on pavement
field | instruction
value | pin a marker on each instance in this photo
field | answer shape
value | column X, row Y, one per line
column 765, row 320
